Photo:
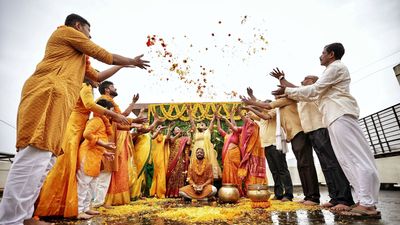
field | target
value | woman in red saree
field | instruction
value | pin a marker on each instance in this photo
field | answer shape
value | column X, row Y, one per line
column 252, row 168
column 231, row 153
column 178, row 163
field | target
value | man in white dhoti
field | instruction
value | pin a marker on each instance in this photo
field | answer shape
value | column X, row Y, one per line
column 340, row 113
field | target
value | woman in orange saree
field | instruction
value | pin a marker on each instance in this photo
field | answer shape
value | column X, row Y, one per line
column 231, row 154
column 118, row 192
column 252, row 168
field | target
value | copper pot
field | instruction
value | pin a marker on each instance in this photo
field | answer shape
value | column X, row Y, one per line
column 228, row 193
column 258, row 192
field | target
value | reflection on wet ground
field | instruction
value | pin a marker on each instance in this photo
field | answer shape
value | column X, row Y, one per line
column 173, row 211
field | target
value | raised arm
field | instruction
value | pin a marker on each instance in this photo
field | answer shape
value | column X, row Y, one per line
column 231, row 125
column 131, row 106
column 249, row 101
column 251, row 94
column 169, row 129
column 258, row 113
column 242, row 116
column 192, row 124
column 105, row 74
column 232, row 116
column 219, row 128
column 125, row 61
column 158, row 131
column 211, row 126
column 280, row 75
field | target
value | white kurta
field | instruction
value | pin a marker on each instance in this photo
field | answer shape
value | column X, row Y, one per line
column 340, row 113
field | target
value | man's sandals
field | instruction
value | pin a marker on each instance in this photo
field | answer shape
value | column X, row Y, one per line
column 362, row 213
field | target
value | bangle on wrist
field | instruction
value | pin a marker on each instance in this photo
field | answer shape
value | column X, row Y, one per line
column 281, row 77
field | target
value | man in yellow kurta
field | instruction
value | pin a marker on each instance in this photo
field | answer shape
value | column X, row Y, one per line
column 47, row 100
column 112, row 187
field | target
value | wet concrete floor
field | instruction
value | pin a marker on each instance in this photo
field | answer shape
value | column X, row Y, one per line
column 389, row 205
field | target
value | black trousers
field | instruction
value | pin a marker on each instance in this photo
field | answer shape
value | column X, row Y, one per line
column 277, row 164
column 305, row 165
column 338, row 185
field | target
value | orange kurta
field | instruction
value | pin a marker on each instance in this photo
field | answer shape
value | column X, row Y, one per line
column 160, row 155
column 199, row 174
column 203, row 140
column 64, row 201
column 90, row 154
column 50, row 94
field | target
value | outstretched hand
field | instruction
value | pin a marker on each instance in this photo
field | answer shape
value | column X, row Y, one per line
column 280, row 92
column 121, row 119
column 245, row 100
column 135, row 98
column 250, row 93
column 142, row 64
column 277, row 73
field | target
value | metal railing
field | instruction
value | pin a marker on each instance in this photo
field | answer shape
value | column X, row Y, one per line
column 382, row 130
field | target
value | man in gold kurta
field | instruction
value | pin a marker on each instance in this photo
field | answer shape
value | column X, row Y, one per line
column 47, row 100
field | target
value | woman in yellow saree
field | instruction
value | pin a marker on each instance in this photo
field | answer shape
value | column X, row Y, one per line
column 142, row 157
column 160, row 155
column 202, row 139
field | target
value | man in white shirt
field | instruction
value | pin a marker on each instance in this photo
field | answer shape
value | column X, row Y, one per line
column 340, row 114
column 311, row 120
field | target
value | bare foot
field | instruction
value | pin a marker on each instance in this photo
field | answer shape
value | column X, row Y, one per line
column 284, row 199
column 340, row 207
column 32, row 221
column 92, row 212
column 309, row 203
column 327, row 205
column 84, row 216
column 107, row 206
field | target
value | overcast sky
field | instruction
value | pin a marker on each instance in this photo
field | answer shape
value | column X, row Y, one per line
column 226, row 38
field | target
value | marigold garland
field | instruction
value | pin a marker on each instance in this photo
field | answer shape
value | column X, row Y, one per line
column 200, row 111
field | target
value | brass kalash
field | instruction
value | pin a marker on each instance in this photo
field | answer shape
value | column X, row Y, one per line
column 228, row 193
column 259, row 195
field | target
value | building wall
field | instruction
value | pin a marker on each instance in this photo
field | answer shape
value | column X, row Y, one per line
column 4, row 168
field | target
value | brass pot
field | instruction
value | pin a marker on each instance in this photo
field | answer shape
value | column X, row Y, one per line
column 258, row 192
column 228, row 193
